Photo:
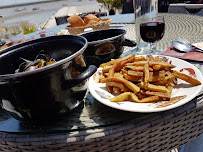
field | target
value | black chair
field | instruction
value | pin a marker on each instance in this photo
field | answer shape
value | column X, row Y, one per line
column 163, row 5
column 61, row 20
column 127, row 8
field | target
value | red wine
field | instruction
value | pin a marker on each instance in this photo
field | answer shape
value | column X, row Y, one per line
column 152, row 31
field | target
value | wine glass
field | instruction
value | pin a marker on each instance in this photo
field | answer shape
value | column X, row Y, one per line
column 152, row 30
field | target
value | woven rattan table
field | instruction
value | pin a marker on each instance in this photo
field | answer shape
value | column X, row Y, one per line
column 95, row 127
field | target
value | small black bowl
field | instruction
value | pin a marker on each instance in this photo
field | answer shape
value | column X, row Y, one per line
column 103, row 45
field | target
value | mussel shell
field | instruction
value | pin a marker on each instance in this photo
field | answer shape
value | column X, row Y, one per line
column 31, row 68
column 25, row 65
column 44, row 57
column 22, row 66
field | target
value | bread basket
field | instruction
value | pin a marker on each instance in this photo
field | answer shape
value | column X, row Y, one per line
column 103, row 24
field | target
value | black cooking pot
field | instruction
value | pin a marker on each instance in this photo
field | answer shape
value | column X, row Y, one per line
column 103, row 45
column 48, row 92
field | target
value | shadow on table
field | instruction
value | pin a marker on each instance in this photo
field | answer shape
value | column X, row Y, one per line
column 88, row 115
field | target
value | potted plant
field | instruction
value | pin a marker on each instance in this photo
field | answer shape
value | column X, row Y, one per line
column 112, row 5
column 28, row 27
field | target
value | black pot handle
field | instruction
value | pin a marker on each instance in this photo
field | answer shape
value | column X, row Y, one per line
column 129, row 43
column 79, row 79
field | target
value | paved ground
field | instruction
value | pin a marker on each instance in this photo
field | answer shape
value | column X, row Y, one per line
column 40, row 12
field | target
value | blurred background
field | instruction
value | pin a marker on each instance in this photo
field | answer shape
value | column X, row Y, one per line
column 39, row 11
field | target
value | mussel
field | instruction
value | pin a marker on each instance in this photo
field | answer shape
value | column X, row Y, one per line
column 43, row 56
column 41, row 60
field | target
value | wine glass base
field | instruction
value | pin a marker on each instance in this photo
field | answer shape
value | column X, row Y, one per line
column 144, row 49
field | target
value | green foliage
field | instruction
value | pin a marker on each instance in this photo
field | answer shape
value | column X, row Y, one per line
column 110, row 4
column 28, row 27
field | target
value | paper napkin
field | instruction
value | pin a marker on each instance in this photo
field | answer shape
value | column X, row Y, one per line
column 193, row 55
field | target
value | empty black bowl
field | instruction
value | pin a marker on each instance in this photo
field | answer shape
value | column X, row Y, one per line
column 104, row 45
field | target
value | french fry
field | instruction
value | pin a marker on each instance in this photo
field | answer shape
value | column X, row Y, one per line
column 135, row 73
column 141, row 96
column 146, row 74
column 122, row 97
column 156, row 67
column 138, row 63
column 133, row 78
column 142, row 80
column 160, row 83
column 170, row 76
column 118, row 75
column 106, row 74
column 162, row 64
column 127, row 83
column 110, row 89
column 134, row 98
column 123, row 71
column 186, row 78
column 115, row 84
column 126, row 96
column 170, row 88
column 151, row 63
column 137, row 68
column 157, row 59
column 113, row 61
column 119, row 64
column 157, row 76
column 139, row 58
column 106, row 69
column 149, row 58
column 101, row 77
column 116, row 90
column 114, row 67
column 159, row 94
column 153, row 87
column 149, row 99
column 130, row 59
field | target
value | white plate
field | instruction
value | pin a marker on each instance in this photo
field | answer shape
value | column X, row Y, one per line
column 198, row 45
column 99, row 91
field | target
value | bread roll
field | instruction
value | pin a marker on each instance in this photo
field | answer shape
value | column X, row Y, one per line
column 92, row 22
column 89, row 18
column 75, row 21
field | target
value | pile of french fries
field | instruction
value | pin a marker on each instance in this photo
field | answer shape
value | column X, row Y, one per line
column 142, row 79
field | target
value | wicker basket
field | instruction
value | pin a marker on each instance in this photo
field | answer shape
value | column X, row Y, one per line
column 104, row 24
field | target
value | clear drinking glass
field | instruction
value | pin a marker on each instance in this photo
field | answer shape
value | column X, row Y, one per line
column 152, row 30
column 3, row 37
column 15, row 33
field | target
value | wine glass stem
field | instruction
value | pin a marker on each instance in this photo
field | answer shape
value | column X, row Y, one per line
column 151, row 48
